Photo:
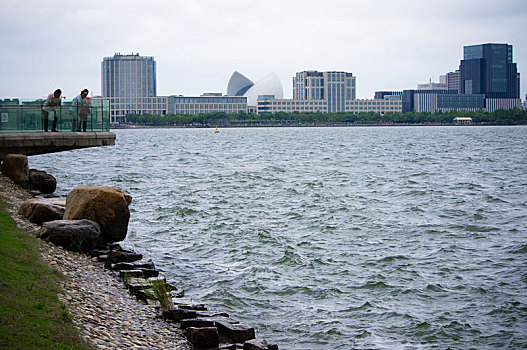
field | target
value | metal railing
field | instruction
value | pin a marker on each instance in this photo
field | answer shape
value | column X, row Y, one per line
column 27, row 116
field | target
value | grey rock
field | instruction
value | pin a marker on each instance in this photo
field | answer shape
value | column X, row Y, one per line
column 121, row 256
column 130, row 273
column 239, row 333
column 256, row 344
column 196, row 322
column 141, row 265
column 74, row 235
column 177, row 315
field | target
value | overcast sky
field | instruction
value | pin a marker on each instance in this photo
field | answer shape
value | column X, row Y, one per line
column 197, row 44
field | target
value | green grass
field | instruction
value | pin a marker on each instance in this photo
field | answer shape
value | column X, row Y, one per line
column 31, row 316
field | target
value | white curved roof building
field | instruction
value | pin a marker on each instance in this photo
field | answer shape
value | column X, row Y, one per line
column 240, row 85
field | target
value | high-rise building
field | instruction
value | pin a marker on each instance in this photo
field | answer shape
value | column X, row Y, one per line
column 488, row 69
column 128, row 76
column 334, row 87
column 453, row 81
column 129, row 82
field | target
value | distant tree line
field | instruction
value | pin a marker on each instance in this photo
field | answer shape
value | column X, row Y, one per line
column 499, row 117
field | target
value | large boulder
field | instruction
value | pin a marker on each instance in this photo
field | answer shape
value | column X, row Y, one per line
column 39, row 210
column 15, row 167
column 107, row 206
column 41, row 181
column 74, row 235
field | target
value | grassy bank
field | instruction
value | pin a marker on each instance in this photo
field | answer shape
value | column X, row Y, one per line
column 31, row 316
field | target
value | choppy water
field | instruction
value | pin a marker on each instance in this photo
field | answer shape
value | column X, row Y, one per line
column 332, row 238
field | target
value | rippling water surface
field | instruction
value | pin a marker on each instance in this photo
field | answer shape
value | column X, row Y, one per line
column 332, row 238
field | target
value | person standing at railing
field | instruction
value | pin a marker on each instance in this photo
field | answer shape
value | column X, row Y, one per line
column 79, row 111
column 52, row 102
column 85, row 113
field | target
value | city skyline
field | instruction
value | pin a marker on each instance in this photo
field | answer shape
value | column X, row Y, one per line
column 197, row 45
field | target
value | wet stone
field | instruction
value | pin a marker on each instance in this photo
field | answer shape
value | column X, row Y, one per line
column 208, row 314
column 197, row 307
column 98, row 252
column 133, row 265
column 177, row 315
column 150, row 272
column 256, row 344
column 121, row 256
column 203, row 337
column 130, row 273
column 239, row 333
column 197, row 322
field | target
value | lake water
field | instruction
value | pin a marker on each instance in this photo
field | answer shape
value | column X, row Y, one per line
column 331, row 238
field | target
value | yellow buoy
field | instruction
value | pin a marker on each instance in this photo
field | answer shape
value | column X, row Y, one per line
column 217, row 130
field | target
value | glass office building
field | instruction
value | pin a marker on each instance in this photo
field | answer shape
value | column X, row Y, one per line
column 488, row 69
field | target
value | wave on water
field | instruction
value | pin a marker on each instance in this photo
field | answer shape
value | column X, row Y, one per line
column 331, row 238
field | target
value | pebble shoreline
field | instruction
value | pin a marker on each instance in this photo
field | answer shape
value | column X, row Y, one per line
column 101, row 308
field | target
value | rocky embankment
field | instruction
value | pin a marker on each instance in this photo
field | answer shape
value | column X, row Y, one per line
column 117, row 299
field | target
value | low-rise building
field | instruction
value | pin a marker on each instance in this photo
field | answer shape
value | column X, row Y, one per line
column 391, row 103
column 206, row 103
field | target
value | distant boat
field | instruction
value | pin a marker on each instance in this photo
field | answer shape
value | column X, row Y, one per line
column 217, row 130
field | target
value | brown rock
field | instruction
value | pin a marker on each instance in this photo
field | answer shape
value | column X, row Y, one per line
column 39, row 210
column 107, row 206
column 15, row 167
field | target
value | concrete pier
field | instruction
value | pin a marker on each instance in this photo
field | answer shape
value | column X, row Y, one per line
column 34, row 143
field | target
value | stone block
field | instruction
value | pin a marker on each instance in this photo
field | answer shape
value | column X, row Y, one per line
column 121, row 256
column 196, row 322
column 203, row 337
column 255, row 344
column 124, row 274
column 177, row 315
column 239, row 333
